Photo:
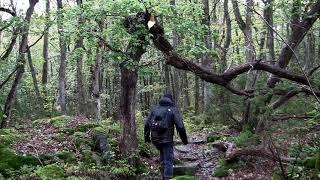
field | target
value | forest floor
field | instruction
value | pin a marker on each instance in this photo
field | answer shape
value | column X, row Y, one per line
column 68, row 142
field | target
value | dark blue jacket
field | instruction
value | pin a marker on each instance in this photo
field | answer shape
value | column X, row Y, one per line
column 174, row 119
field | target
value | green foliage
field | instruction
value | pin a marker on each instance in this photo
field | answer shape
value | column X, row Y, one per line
column 87, row 157
column 186, row 177
column 7, row 137
column 59, row 121
column 245, row 138
column 67, row 157
column 121, row 168
column 87, row 126
column 10, row 161
column 213, row 137
column 222, row 169
column 51, row 171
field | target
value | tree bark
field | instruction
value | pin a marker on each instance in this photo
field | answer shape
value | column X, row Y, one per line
column 208, row 43
column 45, row 51
column 268, row 16
column 20, row 67
column 95, row 94
column 129, row 76
column 79, row 48
column 62, row 107
column 34, row 76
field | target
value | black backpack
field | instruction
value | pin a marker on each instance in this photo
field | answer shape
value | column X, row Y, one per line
column 159, row 122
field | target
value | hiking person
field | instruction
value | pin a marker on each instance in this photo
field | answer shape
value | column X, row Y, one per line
column 160, row 125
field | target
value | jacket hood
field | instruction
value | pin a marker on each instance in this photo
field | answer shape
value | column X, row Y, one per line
column 164, row 101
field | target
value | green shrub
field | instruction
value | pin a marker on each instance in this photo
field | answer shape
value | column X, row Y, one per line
column 186, row 177
column 87, row 157
column 7, row 137
column 222, row 169
column 213, row 137
column 10, row 161
column 85, row 127
column 67, row 156
column 51, row 171
column 122, row 169
column 246, row 138
column 59, row 121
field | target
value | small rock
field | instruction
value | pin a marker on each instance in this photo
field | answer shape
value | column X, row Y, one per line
column 183, row 148
column 186, row 169
column 197, row 140
column 208, row 164
column 189, row 158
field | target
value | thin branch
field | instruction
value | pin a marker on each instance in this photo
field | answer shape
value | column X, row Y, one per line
column 8, row 11
column 313, row 70
column 306, row 24
column 8, row 78
column 28, row 48
column 108, row 45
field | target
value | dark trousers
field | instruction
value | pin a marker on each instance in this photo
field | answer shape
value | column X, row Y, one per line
column 166, row 159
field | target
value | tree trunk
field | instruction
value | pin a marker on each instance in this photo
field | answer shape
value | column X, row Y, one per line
column 45, row 51
column 310, row 51
column 96, row 82
column 268, row 16
column 62, row 107
column 129, row 76
column 79, row 48
column 207, row 59
column 20, row 67
column 34, row 76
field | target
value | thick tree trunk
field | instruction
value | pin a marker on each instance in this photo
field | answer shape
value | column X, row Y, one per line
column 96, row 82
column 129, row 76
column 222, row 97
column 79, row 48
column 45, row 51
column 207, row 59
column 62, row 106
column 268, row 16
column 20, row 67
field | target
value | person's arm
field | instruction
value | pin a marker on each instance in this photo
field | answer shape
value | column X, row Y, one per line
column 180, row 126
column 147, row 128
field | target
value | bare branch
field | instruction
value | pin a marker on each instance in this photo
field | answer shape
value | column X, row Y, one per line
column 8, row 11
column 8, row 78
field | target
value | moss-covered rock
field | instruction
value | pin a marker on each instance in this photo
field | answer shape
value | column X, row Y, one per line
column 59, row 121
column 9, row 160
column 7, row 137
column 51, row 171
column 67, row 156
